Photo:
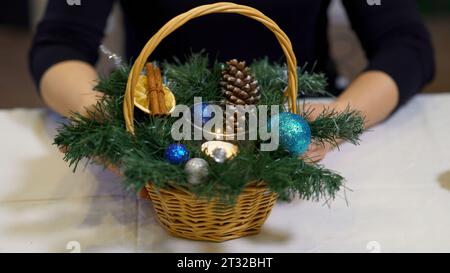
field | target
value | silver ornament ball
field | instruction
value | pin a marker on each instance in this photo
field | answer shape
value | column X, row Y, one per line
column 219, row 155
column 196, row 169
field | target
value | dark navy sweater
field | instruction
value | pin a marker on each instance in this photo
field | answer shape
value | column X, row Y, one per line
column 392, row 34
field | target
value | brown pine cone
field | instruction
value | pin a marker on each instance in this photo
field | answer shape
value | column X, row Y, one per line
column 239, row 86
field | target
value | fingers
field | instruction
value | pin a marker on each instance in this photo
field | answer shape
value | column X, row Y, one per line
column 316, row 152
column 114, row 170
column 63, row 149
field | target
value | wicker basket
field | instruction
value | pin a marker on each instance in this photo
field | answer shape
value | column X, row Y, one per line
column 177, row 209
column 183, row 215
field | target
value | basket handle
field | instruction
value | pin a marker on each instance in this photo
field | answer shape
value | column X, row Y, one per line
column 178, row 21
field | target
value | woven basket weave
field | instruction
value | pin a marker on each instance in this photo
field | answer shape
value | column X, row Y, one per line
column 178, row 210
column 183, row 215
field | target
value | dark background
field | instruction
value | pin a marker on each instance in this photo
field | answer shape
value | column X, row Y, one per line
column 19, row 17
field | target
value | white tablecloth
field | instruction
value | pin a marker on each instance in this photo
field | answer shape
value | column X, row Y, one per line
column 398, row 197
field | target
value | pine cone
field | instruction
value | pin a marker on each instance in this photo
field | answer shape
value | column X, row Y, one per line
column 232, row 125
column 238, row 84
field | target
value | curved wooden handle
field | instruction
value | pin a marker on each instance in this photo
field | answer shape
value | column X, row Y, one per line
column 178, row 21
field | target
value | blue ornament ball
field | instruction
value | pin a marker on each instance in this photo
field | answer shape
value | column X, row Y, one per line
column 176, row 154
column 202, row 111
column 294, row 132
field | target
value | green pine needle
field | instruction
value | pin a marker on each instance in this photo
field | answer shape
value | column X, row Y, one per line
column 141, row 157
column 332, row 126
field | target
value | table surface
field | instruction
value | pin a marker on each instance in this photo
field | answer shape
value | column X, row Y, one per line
column 398, row 196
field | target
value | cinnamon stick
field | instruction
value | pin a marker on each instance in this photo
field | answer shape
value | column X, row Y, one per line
column 160, row 90
column 152, row 90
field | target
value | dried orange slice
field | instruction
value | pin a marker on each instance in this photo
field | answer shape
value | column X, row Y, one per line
column 141, row 99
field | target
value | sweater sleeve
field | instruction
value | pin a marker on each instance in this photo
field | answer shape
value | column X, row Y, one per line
column 68, row 32
column 395, row 41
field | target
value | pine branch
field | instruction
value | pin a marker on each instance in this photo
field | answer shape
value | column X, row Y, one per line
column 331, row 126
column 193, row 79
column 291, row 177
column 103, row 135
column 115, row 83
column 272, row 81
column 312, row 84
column 138, row 171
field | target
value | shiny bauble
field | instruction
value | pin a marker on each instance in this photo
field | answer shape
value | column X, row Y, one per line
column 294, row 132
column 176, row 154
column 196, row 170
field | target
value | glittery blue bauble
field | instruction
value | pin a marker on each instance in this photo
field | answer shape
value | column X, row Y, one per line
column 176, row 154
column 295, row 134
column 202, row 111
